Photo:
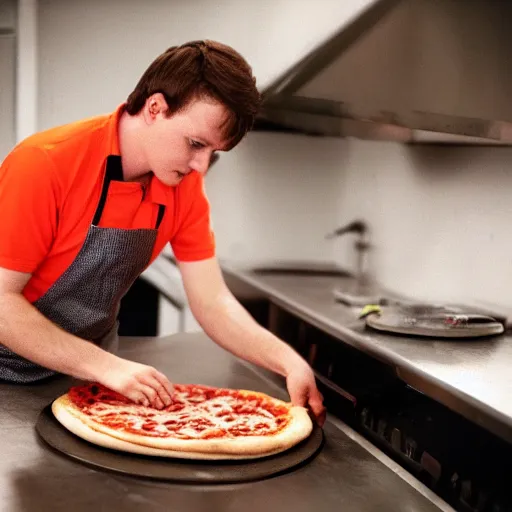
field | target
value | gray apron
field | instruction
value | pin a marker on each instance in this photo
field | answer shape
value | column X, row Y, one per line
column 85, row 299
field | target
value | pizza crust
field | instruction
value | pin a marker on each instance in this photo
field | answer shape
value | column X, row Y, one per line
column 74, row 425
column 299, row 427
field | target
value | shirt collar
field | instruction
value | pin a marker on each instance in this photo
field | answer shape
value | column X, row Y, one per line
column 157, row 191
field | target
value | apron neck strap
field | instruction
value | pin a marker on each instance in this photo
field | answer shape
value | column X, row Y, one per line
column 113, row 172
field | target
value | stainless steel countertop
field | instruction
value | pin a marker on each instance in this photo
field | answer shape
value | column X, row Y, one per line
column 471, row 377
column 344, row 475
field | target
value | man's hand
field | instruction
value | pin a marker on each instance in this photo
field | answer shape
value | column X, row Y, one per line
column 228, row 324
column 303, row 391
column 138, row 382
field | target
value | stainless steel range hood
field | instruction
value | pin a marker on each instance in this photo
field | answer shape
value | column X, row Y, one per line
column 405, row 70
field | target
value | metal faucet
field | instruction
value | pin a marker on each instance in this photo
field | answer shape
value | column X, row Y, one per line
column 361, row 244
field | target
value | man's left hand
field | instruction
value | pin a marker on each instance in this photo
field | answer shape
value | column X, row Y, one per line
column 302, row 389
column 228, row 324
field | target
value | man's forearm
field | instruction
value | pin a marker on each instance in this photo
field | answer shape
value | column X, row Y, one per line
column 231, row 327
column 25, row 331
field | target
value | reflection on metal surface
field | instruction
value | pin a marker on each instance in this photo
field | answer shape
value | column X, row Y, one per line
column 33, row 477
column 427, row 438
column 410, row 71
column 445, row 371
column 399, row 470
column 378, row 454
column 478, row 412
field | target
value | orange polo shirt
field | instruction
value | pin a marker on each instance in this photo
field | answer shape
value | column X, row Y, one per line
column 50, row 186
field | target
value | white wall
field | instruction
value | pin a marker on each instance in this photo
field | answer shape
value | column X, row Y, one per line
column 92, row 53
column 26, row 68
column 275, row 197
column 440, row 218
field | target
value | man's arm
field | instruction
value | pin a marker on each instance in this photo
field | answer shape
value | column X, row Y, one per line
column 30, row 334
column 225, row 320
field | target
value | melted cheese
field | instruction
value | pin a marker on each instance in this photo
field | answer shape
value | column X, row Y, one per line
column 208, row 415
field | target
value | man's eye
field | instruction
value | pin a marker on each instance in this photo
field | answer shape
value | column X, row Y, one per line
column 196, row 144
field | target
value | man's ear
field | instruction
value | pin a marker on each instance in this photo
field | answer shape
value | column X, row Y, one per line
column 155, row 105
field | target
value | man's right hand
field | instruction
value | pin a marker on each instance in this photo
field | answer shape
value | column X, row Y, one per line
column 28, row 333
column 140, row 383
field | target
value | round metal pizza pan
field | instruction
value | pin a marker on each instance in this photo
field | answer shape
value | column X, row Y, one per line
column 174, row 470
column 399, row 322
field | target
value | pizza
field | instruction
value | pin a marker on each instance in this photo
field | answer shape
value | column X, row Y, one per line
column 202, row 422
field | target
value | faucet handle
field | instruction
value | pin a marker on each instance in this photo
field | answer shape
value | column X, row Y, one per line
column 356, row 226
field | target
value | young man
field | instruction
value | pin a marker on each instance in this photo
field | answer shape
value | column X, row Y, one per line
column 86, row 207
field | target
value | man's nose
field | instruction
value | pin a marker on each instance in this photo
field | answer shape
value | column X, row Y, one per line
column 201, row 162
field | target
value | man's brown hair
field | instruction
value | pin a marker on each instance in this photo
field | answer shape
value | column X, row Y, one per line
column 200, row 69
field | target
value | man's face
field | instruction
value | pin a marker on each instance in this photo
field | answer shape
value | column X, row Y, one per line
column 184, row 142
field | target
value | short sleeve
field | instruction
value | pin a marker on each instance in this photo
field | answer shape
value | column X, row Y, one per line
column 28, row 208
column 194, row 239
